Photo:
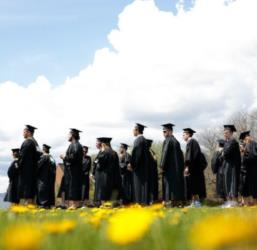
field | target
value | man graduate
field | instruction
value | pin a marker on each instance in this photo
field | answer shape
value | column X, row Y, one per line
column 249, row 163
column 231, row 168
column 140, row 166
column 12, row 194
column 126, row 175
column 195, row 163
column 73, row 160
column 107, row 173
column 29, row 156
column 172, row 168
column 217, row 168
column 86, row 167
column 46, row 179
column 153, row 173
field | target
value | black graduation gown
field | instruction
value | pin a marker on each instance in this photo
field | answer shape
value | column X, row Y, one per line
column 231, row 168
column 106, row 180
column 196, row 179
column 86, row 167
column 12, row 194
column 217, row 168
column 249, row 171
column 46, row 181
column 64, row 187
column 28, row 159
column 73, row 168
column 140, row 165
column 172, row 163
column 153, row 177
column 127, row 178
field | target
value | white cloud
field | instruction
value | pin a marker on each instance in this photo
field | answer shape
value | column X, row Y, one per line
column 193, row 69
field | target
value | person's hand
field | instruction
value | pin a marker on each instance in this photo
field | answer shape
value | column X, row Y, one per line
column 186, row 172
column 62, row 156
column 130, row 167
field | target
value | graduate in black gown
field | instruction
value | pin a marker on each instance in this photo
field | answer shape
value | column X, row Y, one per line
column 93, row 175
column 172, row 168
column 73, row 160
column 86, row 167
column 249, row 169
column 29, row 156
column 46, row 173
column 126, row 175
column 12, row 194
column 231, row 167
column 107, row 173
column 153, row 174
column 140, row 166
column 217, row 169
column 195, row 163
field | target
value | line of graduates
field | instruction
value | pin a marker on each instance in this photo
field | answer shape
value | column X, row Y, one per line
column 134, row 178
column 235, row 166
column 121, row 177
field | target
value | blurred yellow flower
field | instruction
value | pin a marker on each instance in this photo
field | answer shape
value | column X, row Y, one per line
column 59, row 226
column 129, row 226
column 223, row 230
column 22, row 237
column 19, row 209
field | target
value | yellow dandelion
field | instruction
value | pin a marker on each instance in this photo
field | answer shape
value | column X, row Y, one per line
column 129, row 226
column 19, row 209
column 31, row 206
column 223, row 230
column 157, row 206
column 59, row 226
column 22, row 237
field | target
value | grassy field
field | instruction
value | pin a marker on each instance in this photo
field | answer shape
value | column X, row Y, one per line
column 27, row 228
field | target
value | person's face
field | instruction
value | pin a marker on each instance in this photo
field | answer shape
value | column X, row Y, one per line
column 247, row 139
column 167, row 133
column 26, row 133
column 70, row 137
column 186, row 136
column 98, row 144
column 135, row 132
column 122, row 150
column 15, row 155
column 227, row 134
column 85, row 151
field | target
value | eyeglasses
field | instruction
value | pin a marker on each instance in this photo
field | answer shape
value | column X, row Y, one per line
column 164, row 131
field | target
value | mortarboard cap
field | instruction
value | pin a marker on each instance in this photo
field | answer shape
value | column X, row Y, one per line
column 30, row 128
column 244, row 134
column 189, row 130
column 46, row 146
column 140, row 127
column 74, row 130
column 15, row 150
column 232, row 128
column 124, row 145
column 104, row 139
column 168, row 126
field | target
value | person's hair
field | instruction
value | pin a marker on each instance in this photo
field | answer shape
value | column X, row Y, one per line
column 75, row 135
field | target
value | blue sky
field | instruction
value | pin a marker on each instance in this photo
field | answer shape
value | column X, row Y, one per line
column 56, row 38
